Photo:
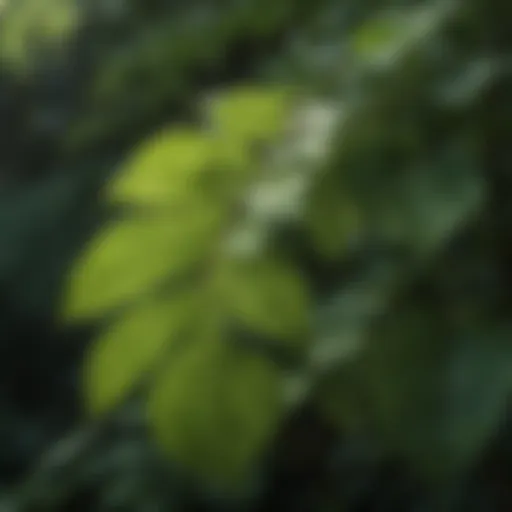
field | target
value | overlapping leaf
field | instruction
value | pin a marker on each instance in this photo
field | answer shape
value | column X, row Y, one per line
column 216, row 409
column 166, row 169
column 214, row 406
column 130, row 347
column 247, row 117
column 250, row 113
column 270, row 298
column 132, row 257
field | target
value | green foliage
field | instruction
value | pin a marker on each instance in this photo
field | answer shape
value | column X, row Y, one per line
column 338, row 244
column 25, row 25
column 139, row 79
column 130, row 348
column 411, row 358
column 216, row 408
column 132, row 259
column 269, row 297
column 333, row 219
column 166, row 170
column 417, row 201
column 134, row 256
column 387, row 35
column 216, row 200
column 250, row 114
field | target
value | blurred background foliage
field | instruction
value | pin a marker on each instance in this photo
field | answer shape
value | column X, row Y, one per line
column 255, row 255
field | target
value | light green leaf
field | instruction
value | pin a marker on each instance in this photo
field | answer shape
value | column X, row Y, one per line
column 129, row 348
column 131, row 257
column 269, row 297
column 215, row 409
column 250, row 114
column 166, row 169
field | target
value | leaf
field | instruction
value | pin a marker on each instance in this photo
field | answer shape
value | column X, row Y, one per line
column 431, row 200
column 27, row 23
column 437, row 397
column 343, row 323
column 380, row 38
column 269, row 297
column 166, row 169
column 388, row 37
column 250, row 114
column 333, row 220
column 132, row 257
column 443, row 196
column 479, row 380
column 215, row 409
column 129, row 348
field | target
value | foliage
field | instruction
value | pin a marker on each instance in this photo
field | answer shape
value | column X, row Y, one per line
column 322, row 232
column 144, row 250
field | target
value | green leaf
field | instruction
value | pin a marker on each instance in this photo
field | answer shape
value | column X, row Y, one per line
column 130, row 347
column 443, row 196
column 250, row 114
column 437, row 397
column 166, row 169
column 27, row 23
column 388, row 37
column 215, row 409
column 380, row 38
column 134, row 256
column 333, row 220
column 269, row 297
column 478, row 392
